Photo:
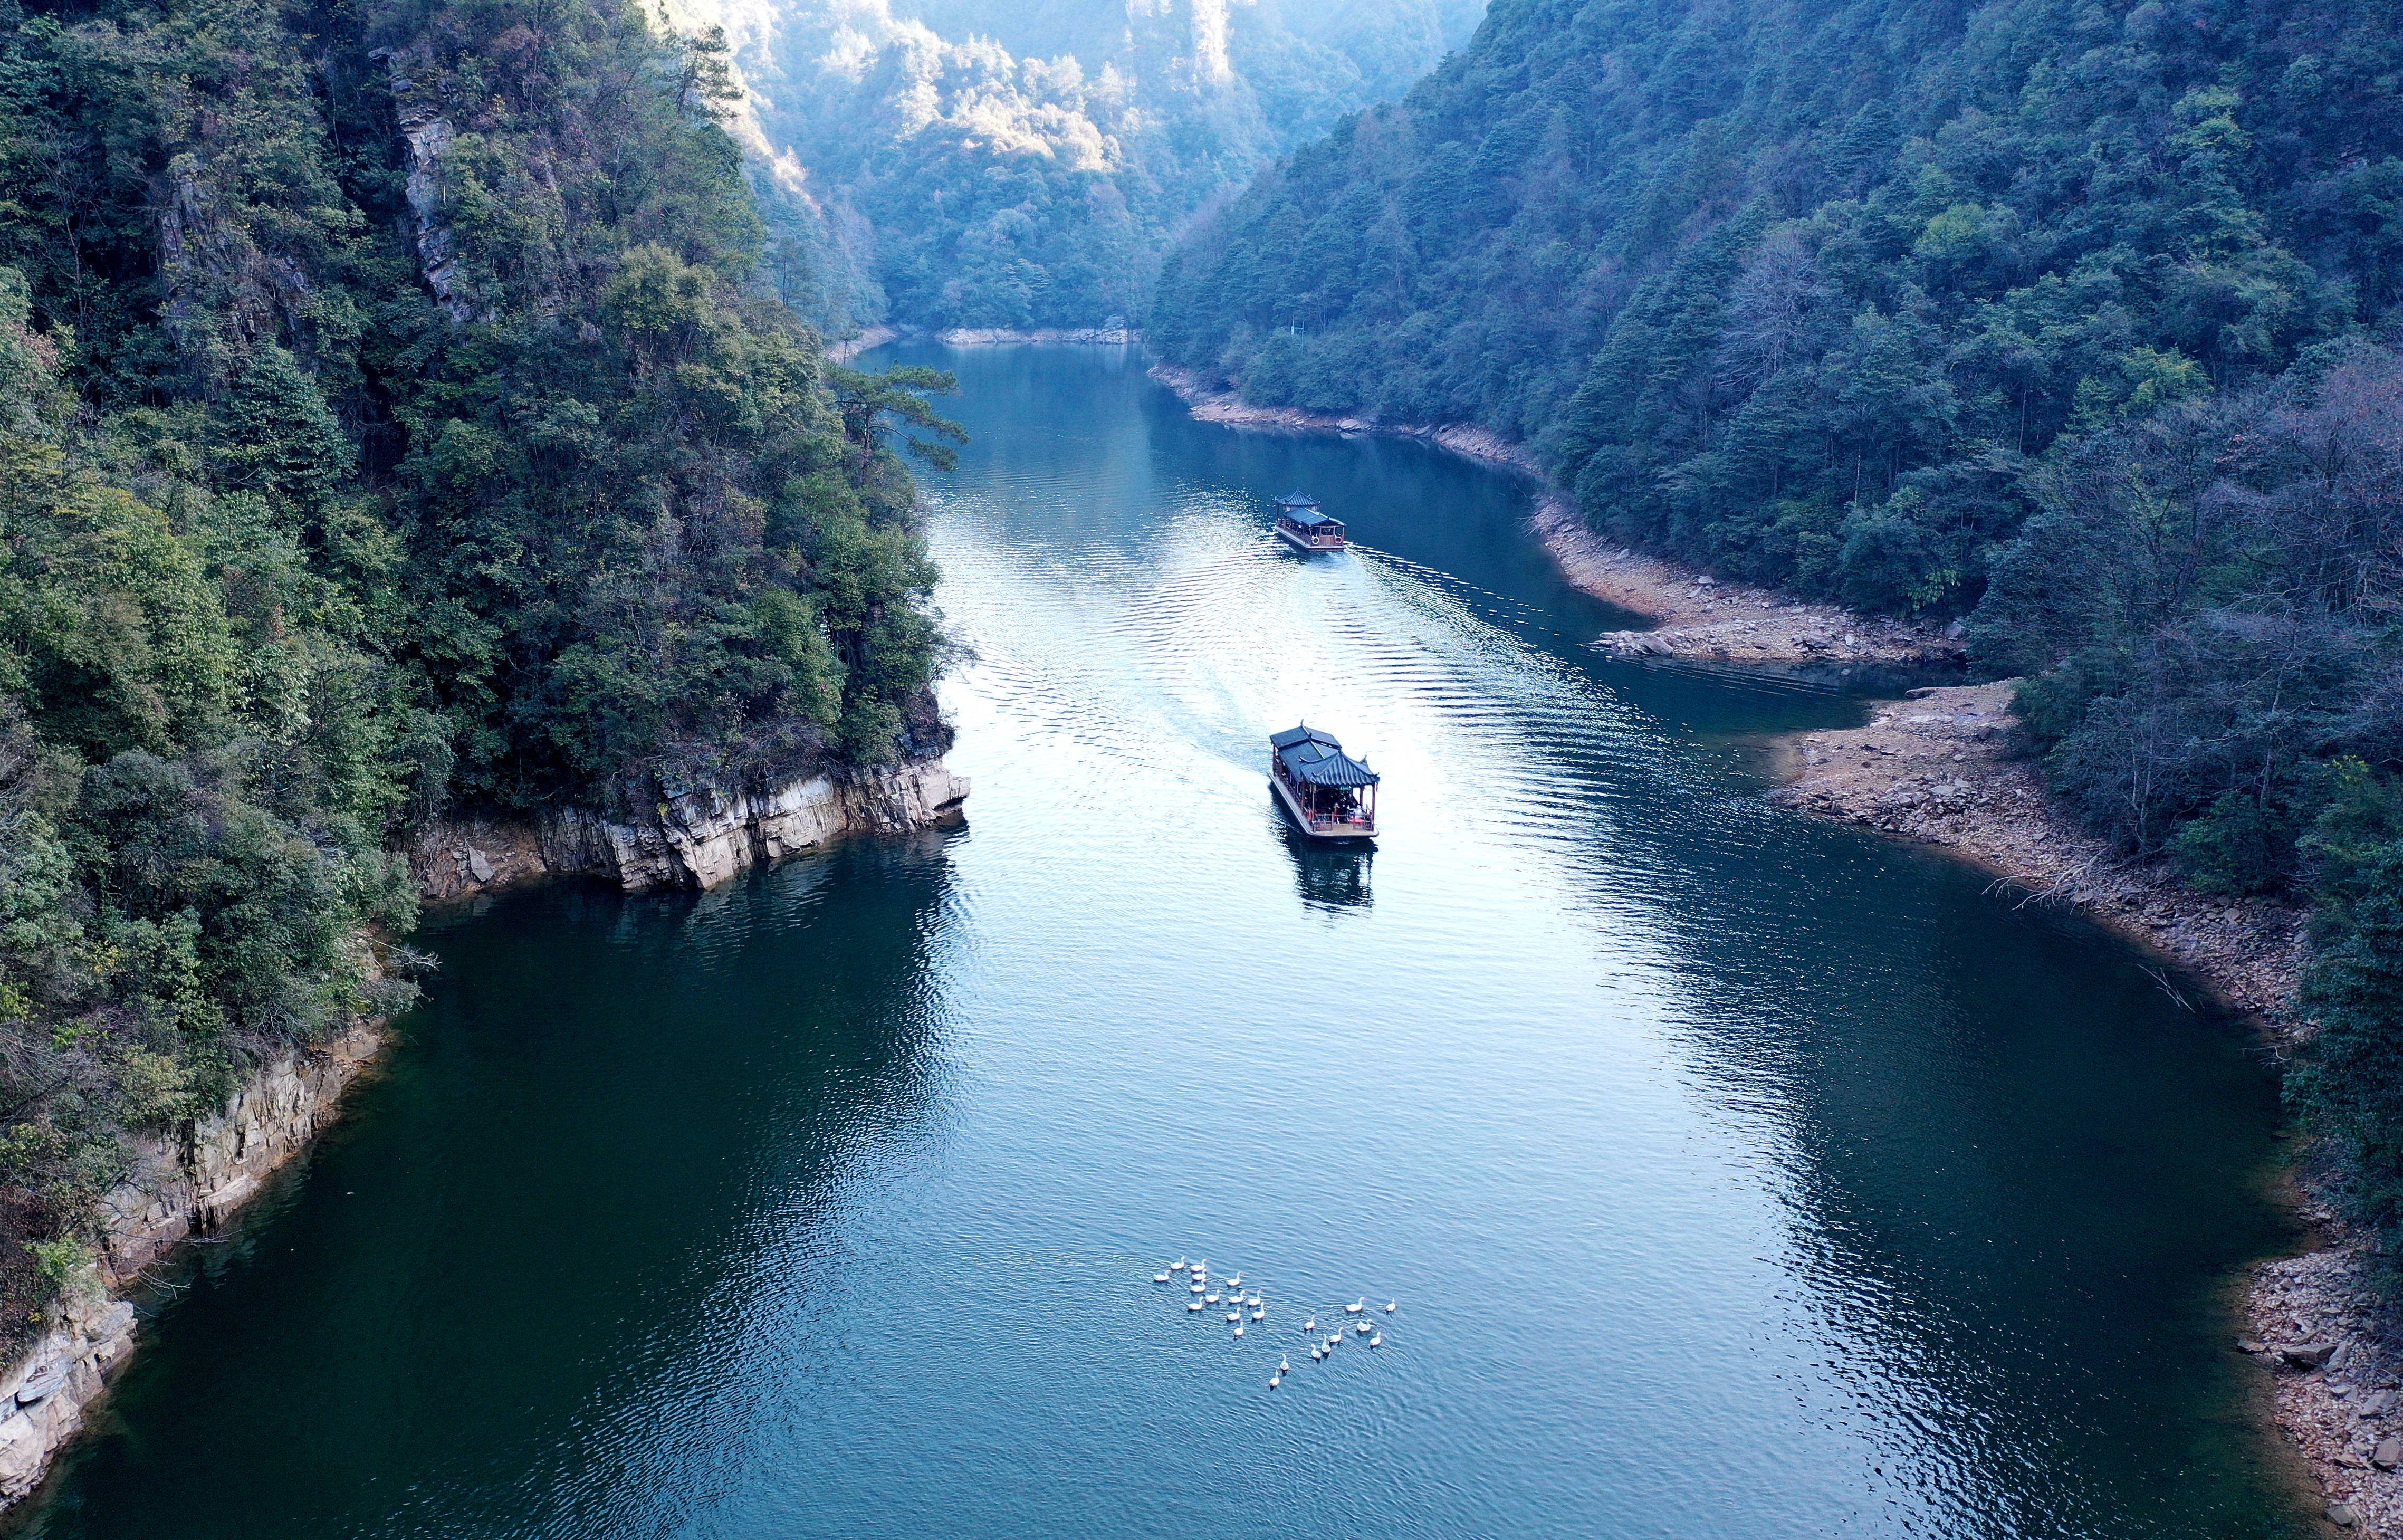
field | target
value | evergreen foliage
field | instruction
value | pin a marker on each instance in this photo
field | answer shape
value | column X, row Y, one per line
column 2079, row 321
column 982, row 164
column 1795, row 288
column 395, row 414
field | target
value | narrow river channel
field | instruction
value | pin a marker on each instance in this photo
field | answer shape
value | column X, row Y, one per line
column 1734, row 1176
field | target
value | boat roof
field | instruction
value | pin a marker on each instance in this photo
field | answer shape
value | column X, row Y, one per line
column 1315, row 758
column 1297, row 500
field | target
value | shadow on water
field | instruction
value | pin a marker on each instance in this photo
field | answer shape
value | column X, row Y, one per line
column 578, row 1142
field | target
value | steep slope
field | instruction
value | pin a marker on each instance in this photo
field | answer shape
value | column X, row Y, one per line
column 1748, row 274
column 967, row 163
column 393, row 419
column 2078, row 319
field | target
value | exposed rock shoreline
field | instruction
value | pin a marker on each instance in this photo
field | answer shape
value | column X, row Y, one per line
column 1943, row 767
column 979, row 336
column 694, row 841
column 851, row 347
column 180, row 1183
column 1698, row 616
column 1694, row 614
column 190, row 1182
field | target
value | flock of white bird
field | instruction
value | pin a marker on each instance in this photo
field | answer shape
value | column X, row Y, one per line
column 1244, row 1310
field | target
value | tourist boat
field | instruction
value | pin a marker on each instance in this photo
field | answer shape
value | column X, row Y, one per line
column 1301, row 525
column 1331, row 795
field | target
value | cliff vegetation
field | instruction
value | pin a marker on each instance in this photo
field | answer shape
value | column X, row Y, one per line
column 980, row 163
column 2078, row 321
column 396, row 414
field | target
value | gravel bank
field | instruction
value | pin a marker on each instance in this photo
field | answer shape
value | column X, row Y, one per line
column 1695, row 614
column 1943, row 767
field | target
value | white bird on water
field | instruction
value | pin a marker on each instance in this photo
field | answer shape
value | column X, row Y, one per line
column 1378, row 1340
column 1195, row 1305
column 1389, row 1307
column 1239, row 1331
column 1284, row 1367
column 1179, row 1266
column 1311, row 1325
column 1356, row 1307
column 1160, row 1277
column 1316, row 1355
column 1233, row 1316
column 1259, row 1315
column 1362, row 1328
column 1197, row 1288
column 1273, row 1380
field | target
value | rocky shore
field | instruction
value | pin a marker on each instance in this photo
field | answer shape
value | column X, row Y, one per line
column 1699, row 615
column 1694, row 614
column 851, row 347
column 978, row 336
column 696, row 840
column 180, row 1183
column 190, row 1182
column 1946, row 766
column 1210, row 404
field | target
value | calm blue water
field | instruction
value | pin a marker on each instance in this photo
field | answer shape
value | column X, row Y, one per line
column 1735, row 1175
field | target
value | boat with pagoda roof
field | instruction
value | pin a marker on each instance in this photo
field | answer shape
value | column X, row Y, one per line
column 1330, row 795
column 1301, row 525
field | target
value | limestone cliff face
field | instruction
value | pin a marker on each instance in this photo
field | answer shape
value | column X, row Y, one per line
column 189, row 1181
column 180, row 1183
column 695, row 840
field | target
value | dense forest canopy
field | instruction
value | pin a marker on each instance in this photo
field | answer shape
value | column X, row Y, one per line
column 987, row 163
column 2077, row 320
column 395, row 416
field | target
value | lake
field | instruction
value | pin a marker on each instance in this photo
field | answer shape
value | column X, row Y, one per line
column 1731, row 1174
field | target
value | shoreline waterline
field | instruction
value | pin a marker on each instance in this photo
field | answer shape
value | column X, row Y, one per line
column 1996, row 816
column 1726, row 1164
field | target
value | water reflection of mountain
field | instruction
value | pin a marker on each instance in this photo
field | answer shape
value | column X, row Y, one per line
column 1330, row 877
column 2012, row 1169
column 559, row 1233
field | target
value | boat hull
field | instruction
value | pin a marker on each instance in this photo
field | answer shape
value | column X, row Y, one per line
column 1302, row 543
column 1302, row 819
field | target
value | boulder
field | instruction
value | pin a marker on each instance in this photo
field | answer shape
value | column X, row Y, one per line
column 2307, row 1356
column 2388, row 1454
column 44, row 1381
column 2342, row 1515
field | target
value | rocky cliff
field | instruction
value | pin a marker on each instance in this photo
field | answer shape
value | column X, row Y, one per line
column 180, row 1183
column 191, row 1180
column 696, row 840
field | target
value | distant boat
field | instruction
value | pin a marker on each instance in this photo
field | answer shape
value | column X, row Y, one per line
column 1331, row 795
column 1301, row 525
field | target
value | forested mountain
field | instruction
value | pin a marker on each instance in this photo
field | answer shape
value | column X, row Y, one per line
column 982, row 163
column 2078, row 319
column 393, row 416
